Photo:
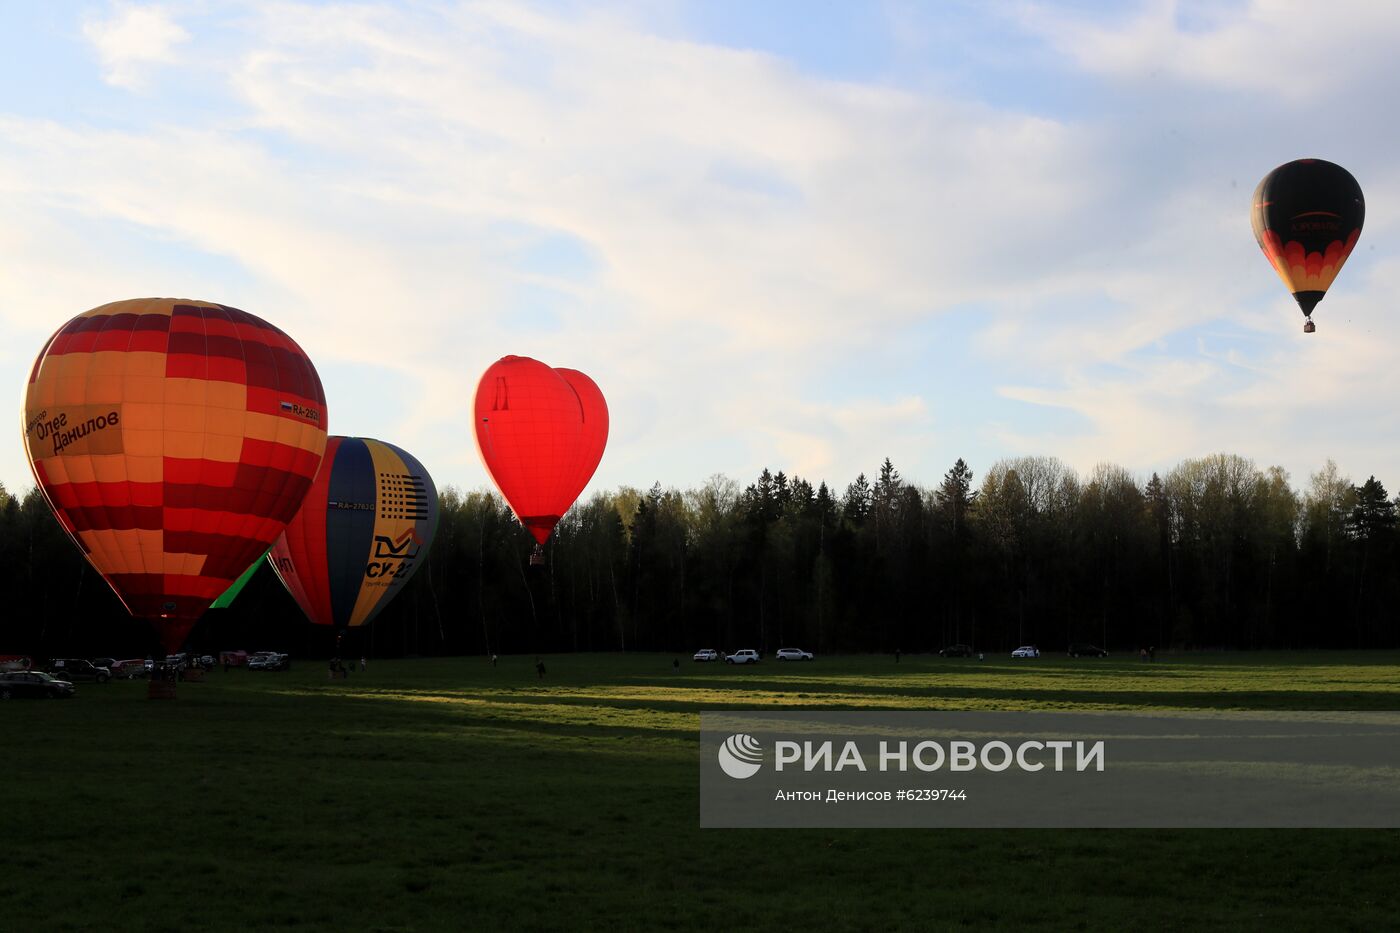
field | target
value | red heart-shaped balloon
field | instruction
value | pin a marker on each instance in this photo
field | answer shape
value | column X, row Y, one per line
column 541, row 434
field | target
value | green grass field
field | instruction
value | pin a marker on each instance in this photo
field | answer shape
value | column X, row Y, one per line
column 447, row 795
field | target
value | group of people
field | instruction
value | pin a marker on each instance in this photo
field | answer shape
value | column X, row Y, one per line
column 345, row 667
column 539, row 665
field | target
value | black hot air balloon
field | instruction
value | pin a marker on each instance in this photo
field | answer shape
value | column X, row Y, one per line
column 1307, row 216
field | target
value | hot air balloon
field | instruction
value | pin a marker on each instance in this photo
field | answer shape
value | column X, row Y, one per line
column 541, row 433
column 362, row 532
column 173, row 439
column 1307, row 217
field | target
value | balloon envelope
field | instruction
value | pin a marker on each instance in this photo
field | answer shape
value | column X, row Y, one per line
column 227, row 597
column 1307, row 216
column 541, row 434
column 173, row 439
column 363, row 531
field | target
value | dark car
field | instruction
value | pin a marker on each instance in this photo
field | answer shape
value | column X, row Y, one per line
column 33, row 685
column 269, row 661
column 955, row 651
column 1087, row 651
column 75, row 669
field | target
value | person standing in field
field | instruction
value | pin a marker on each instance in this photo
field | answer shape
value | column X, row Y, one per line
column 896, row 655
column 362, row 665
column 539, row 668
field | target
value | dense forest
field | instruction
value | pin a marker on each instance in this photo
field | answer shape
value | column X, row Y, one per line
column 1216, row 553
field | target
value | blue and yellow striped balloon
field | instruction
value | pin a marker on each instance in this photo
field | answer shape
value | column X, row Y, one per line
column 362, row 532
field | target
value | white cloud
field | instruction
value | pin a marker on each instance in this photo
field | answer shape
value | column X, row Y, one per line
column 1295, row 50
column 751, row 243
column 740, row 213
column 131, row 40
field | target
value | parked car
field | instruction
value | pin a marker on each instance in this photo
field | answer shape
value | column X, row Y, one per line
column 206, row 661
column 1087, row 651
column 1026, row 651
column 793, row 654
column 706, row 654
column 129, row 669
column 33, row 685
column 746, row 656
column 75, row 669
column 955, row 651
column 108, row 663
column 268, row 661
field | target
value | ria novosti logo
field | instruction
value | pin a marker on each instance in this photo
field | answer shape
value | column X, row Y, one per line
column 741, row 756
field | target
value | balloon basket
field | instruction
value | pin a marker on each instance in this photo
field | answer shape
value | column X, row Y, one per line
column 537, row 557
column 160, row 689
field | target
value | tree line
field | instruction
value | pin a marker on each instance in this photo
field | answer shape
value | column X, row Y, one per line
column 1216, row 553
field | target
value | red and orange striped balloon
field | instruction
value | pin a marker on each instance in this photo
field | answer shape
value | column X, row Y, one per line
column 174, row 440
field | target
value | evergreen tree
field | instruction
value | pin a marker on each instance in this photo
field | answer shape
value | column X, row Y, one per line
column 855, row 504
column 955, row 496
column 1373, row 514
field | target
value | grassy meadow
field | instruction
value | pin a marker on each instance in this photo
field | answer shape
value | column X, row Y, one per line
column 445, row 794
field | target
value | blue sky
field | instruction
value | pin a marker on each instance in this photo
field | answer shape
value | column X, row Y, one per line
column 794, row 235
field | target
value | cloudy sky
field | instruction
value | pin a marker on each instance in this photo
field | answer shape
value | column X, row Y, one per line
column 777, row 233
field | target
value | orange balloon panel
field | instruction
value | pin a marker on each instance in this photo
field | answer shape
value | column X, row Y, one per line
column 174, row 440
column 541, row 433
